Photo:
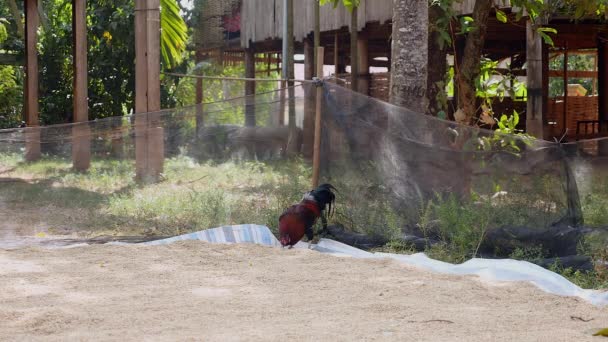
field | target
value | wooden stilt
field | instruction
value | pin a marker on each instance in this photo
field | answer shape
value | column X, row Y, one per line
column 32, row 138
column 337, row 69
column 363, row 48
column 535, row 107
column 149, row 136
column 81, row 135
column 249, row 88
column 309, row 105
column 200, row 97
column 316, row 162
column 309, row 63
column 565, row 114
column 602, row 86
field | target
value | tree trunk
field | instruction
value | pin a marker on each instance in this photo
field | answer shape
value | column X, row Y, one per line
column 409, row 55
column 470, row 68
column 12, row 4
column 437, row 74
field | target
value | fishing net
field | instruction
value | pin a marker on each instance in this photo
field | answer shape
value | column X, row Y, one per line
column 400, row 176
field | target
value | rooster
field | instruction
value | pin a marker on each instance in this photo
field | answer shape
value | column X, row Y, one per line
column 298, row 220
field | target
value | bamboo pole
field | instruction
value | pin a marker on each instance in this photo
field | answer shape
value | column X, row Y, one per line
column 316, row 161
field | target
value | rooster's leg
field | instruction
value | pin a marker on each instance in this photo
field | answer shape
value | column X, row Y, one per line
column 324, row 223
column 310, row 235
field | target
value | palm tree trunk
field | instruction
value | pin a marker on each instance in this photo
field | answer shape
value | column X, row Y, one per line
column 409, row 54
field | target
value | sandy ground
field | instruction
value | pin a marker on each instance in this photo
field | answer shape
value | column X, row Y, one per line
column 199, row 291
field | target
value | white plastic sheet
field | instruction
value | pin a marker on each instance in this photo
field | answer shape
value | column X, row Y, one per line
column 486, row 269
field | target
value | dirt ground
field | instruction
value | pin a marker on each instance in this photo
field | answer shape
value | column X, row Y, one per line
column 200, row 291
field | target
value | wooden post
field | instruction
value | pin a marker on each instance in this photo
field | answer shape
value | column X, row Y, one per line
column 309, row 105
column 565, row 114
column 602, row 86
column 293, row 143
column 149, row 135
column 602, row 79
column 249, row 88
column 317, row 34
column 81, row 134
column 354, row 50
column 336, row 55
column 309, row 62
column 200, row 97
column 316, row 161
column 534, row 74
column 32, row 136
column 364, row 77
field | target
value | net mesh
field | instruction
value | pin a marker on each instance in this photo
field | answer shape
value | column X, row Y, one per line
column 401, row 176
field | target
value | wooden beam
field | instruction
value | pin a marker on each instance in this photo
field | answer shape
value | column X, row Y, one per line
column 534, row 53
column 81, row 142
column 573, row 73
column 32, row 144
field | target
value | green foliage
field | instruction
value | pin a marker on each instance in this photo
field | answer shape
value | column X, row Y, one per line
column 174, row 33
column 506, row 137
column 349, row 4
column 544, row 33
column 11, row 93
column 531, row 254
column 111, row 55
column 192, row 196
column 595, row 202
column 460, row 226
column 584, row 279
column 501, row 16
column 3, row 30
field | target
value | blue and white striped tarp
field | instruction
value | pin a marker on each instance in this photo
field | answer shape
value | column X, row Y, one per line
column 246, row 233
